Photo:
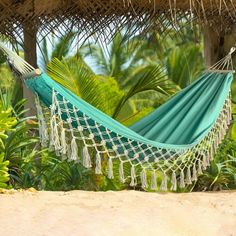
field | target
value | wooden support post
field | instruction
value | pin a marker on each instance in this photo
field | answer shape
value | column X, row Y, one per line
column 217, row 44
column 30, row 53
column 213, row 46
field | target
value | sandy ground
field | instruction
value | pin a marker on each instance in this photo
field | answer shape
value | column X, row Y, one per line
column 123, row 213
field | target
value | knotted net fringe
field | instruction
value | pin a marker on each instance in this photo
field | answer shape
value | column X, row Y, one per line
column 80, row 138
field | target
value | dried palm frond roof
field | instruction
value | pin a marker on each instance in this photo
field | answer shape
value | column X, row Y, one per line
column 103, row 16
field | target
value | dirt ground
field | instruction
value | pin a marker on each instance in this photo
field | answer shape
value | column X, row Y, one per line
column 124, row 213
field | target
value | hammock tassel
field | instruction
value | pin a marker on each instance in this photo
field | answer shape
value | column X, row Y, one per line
column 194, row 176
column 51, row 143
column 133, row 177
column 163, row 186
column 98, row 168
column 74, row 150
column 121, row 172
column 86, row 158
column 204, row 162
column 173, row 182
column 63, row 141
column 154, row 181
column 57, row 144
column 144, row 179
column 188, row 177
column 110, row 169
column 199, row 171
column 182, row 182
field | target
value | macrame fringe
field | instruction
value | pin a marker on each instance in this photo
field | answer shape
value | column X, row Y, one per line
column 133, row 177
column 204, row 162
column 57, row 144
column 154, row 181
column 63, row 141
column 163, row 186
column 194, row 176
column 182, row 182
column 110, row 168
column 121, row 172
column 74, row 149
column 98, row 168
column 199, row 171
column 86, row 158
column 51, row 141
column 144, row 179
column 188, row 177
column 173, row 182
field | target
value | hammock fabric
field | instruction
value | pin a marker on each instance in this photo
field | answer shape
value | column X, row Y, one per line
column 175, row 143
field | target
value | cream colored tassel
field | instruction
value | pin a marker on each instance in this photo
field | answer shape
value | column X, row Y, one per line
column 63, row 141
column 154, row 181
column 194, row 176
column 133, row 177
column 188, row 177
column 74, row 149
column 204, row 162
column 57, row 144
column 86, row 158
column 121, row 172
column 182, row 182
column 144, row 179
column 110, row 169
column 163, row 186
column 199, row 168
column 98, row 168
column 173, row 182
column 208, row 159
column 51, row 143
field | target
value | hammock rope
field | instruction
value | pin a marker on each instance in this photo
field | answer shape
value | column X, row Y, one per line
column 76, row 131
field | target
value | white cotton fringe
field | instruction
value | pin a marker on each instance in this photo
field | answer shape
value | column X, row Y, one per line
column 164, row 182
column 154, row 181
column 173, row 182
column 194, row 176
column 144, row 179
column 133, row 177
column 63, row 141
column 98, row 168
column 110, row 168
column 188, row 177
column 86, row 158
column 182, row 182
column 74, row 150
column 121, row 172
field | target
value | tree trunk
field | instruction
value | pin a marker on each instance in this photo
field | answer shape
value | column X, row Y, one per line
column 217, row 44
column 30, row 52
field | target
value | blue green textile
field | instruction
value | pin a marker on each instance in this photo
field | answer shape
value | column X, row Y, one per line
column 180, row 123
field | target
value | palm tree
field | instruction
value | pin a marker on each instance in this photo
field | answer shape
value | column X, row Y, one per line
column 106, row 91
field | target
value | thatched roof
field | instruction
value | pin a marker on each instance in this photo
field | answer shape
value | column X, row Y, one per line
column 96, row 15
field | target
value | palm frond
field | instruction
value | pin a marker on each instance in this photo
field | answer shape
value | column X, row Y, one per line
column 76, row 76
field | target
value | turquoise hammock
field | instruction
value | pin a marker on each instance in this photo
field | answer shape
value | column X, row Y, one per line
column 176, row 141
